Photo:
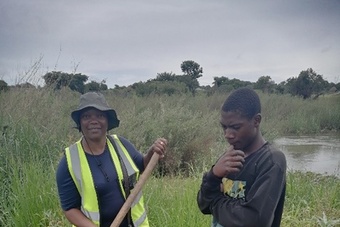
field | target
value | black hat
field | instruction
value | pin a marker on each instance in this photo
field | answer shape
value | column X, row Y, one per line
column 97, row 101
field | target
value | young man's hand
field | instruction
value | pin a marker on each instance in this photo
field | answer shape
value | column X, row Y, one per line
column 230, row 162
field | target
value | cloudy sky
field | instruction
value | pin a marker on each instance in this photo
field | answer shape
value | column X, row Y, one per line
column 124, row 42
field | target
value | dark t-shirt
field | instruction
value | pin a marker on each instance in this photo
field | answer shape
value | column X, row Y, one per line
column 109, row 195
column 253, row 197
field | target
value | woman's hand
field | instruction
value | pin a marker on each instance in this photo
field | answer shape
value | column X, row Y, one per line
column 159, row 146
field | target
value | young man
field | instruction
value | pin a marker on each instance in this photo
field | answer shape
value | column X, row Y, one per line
column 247, row 184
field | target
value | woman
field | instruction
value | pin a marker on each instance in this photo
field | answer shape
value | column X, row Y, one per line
column 98, row 172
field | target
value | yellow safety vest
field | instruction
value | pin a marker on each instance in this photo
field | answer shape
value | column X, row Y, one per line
column 82, row 177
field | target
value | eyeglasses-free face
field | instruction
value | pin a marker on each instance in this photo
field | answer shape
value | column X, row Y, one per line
column 93, row 124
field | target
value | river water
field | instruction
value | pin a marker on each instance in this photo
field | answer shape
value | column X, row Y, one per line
column 319, row 154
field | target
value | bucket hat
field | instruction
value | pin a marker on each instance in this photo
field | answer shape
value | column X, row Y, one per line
column 97, row 101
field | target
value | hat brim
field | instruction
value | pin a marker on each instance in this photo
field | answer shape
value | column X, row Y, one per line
column 112, row 119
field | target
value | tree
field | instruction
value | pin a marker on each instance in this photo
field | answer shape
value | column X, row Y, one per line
column 280, row 88
column 51, row 78
column 165, row 76
column 265, row 83
column 158, row 87
column 225, row 84
column 92, row 86
column 307, row 83
column 77, row 82
column 290, row 85
column 3, row 86
column 304, row 85
column 191, row 84
column 334, row 86
column 25, row 85
column 218, row 81
column 103, row 86
column 57, row 80
column 192, row 69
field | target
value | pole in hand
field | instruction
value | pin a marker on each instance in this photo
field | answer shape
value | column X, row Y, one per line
column 138, row 187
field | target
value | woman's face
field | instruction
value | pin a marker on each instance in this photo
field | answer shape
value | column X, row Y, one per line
column 93, row 124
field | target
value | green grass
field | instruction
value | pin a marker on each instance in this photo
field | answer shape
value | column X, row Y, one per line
column 311, row 200
column 172, row 202
column 31, row 197
column 309, row 197
column 38, row 126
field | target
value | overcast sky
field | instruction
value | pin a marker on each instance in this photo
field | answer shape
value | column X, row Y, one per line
column 124, row 42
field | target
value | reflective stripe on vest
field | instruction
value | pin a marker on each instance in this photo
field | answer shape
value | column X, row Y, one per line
column 79, row 170
column 81, row 175
column 138, row 213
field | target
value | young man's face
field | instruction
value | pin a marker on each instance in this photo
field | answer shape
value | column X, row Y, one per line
column 239, row 131
column 93, row 124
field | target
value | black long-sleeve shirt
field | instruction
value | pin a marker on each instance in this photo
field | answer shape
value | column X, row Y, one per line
column 253, row 197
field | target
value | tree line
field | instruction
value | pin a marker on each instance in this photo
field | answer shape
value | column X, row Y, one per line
column 306, row 85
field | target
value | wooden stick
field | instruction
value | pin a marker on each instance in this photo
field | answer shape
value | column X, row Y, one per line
column 138, row 187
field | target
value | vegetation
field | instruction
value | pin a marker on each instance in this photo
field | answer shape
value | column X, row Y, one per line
column 308, row 84
column 35, row 126
column 76, row 82
column 3, row 86
column 311, row 200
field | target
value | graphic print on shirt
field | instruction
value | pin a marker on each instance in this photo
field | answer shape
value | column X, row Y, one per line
column 234, row 189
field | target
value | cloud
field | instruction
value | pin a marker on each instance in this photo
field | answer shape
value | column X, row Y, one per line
column 131, row 41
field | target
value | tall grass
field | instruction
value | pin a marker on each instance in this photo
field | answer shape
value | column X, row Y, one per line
column 311, row 200
column 35, row 126
column 284, row 114
column 172, row 202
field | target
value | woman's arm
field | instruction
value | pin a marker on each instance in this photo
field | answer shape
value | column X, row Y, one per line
column 77, row 218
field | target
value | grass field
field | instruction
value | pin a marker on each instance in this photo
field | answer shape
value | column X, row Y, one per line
column 36, row 125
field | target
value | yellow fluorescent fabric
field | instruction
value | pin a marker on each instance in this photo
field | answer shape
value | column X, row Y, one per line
column 81, row 175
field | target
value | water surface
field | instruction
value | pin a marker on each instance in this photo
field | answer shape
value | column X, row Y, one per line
column 319, row 154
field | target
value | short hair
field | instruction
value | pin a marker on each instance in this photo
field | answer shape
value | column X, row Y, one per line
column 244, row 101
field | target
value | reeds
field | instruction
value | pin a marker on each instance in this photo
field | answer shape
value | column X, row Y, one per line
column 35, row 127
column 311, row 200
